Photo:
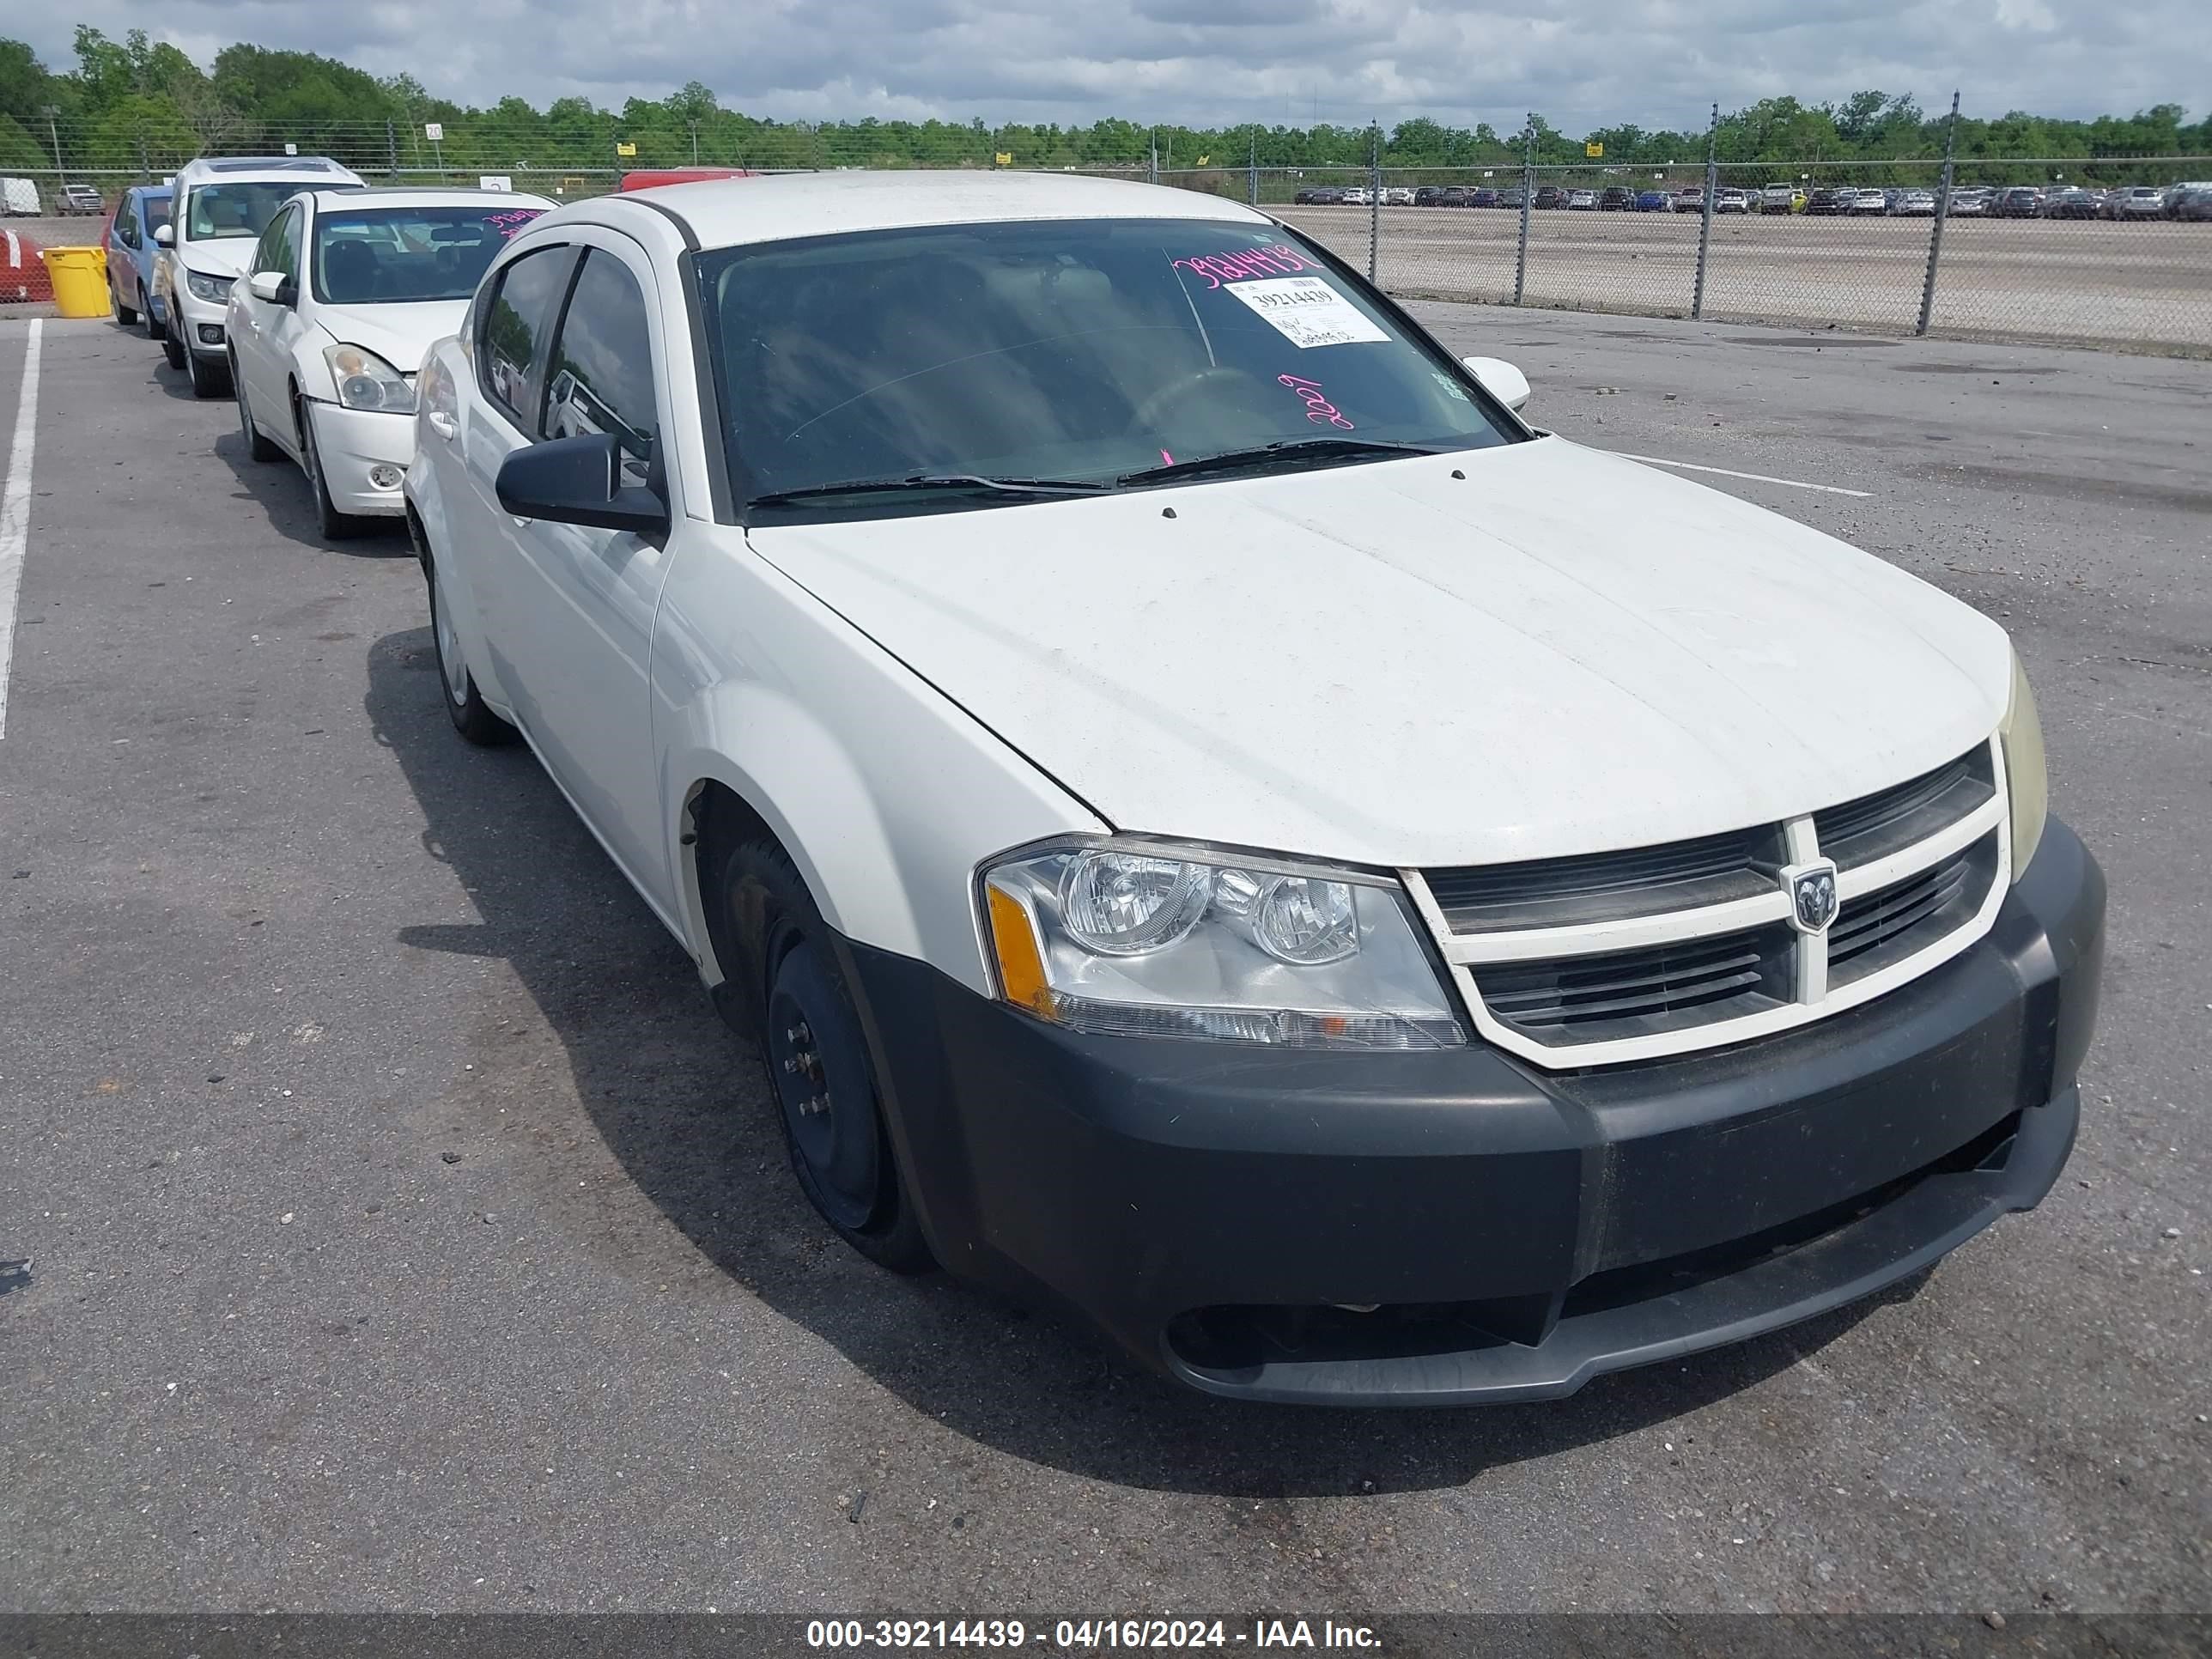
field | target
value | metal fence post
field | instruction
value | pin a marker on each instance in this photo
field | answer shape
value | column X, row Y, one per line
column 1942, row 212
column 1527, row 201
column 1374, row 199
column 391, row 145
column 1252, row 187
column 1152, row 173
column 1706, row 228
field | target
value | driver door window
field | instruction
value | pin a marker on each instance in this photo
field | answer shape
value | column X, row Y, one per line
column 602, row 366
column 280, row 247
column 509, row 347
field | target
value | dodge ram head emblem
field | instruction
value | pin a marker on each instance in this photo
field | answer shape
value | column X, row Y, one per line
column 1811, row 890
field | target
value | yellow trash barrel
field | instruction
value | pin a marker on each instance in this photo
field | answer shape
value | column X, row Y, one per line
column 80, row 278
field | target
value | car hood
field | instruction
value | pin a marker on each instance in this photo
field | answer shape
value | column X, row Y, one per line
column 221, row 256
column 400, row 334
column 1563, row 652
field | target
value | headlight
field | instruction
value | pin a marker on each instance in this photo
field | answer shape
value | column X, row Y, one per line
column 2021, row 737
column 214, row 289
column 365, row 381
column 1136, row 941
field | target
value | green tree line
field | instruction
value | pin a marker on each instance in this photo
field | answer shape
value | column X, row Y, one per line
column 134, row 103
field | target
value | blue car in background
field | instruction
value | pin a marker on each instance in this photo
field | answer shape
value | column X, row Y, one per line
column 143, row 209
column 1654, row 201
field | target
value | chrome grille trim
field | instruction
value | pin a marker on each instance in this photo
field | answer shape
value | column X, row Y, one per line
column 1527, row 1022
column 1683, row 875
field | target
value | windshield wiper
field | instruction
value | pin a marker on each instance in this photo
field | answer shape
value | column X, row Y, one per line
column 1234, row 460
column 933, row 481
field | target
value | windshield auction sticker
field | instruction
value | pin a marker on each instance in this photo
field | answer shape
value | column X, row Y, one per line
column 1306, row 311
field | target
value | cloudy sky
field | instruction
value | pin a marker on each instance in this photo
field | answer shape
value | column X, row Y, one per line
column 1657, row 63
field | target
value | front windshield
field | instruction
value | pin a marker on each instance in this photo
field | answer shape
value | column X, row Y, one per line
column 383, row 256
column 219, row 212
column 1076, row 349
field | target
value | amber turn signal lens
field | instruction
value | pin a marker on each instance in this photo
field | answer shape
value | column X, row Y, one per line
column 1021, row 965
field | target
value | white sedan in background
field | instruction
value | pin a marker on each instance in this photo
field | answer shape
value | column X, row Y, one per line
column 343, row 296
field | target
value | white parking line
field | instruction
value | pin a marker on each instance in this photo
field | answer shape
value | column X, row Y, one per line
column 1756, row 477
column 16, row 510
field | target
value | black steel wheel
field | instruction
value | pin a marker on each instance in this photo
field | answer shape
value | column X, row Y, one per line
column 790, row 997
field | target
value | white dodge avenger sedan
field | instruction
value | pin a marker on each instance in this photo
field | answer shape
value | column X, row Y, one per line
column 1208, row 817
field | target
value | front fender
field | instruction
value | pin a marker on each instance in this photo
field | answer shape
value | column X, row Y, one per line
column 886, row 793
column 311, row 370
column 775, row 756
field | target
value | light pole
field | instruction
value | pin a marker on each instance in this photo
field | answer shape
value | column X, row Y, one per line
column 53, row 132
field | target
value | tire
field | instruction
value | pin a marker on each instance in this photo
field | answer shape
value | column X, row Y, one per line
column 256, row 445
column 336, row 526
column 209, row 380
column 173, row 345
column 464, row 704
column 154, row 329
column 787, row 995
column 124, row 314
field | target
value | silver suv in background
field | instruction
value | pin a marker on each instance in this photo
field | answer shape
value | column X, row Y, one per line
column 219, row 208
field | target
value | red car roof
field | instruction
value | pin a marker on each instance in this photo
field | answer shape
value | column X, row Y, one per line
column 647, row 178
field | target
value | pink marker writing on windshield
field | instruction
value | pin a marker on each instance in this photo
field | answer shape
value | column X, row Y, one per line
column 1169, row 459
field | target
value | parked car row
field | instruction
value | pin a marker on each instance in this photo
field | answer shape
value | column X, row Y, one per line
column 311, row 297
column 1265, row 1043
column 2189, row 200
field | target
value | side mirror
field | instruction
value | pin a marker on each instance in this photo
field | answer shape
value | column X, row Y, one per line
column 1499, row 379
column 274, row 286
column 166, row 236
column 578, row 481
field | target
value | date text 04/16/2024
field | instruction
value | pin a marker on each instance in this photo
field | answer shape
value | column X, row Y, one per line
column 1090, row 1635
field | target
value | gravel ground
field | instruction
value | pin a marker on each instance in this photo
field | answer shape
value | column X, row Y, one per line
column 404, row 1232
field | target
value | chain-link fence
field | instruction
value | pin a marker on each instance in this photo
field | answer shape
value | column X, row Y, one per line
column 2113, row 251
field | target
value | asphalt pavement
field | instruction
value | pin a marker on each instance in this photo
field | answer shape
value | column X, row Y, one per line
column 405, row 1232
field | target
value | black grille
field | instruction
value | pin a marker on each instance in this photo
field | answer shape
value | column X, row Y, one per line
column 1627, row 993
column 1640, row 881
column 1874, row 826
column 1876, row 930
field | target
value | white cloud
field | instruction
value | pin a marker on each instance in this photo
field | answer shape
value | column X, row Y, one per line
column 1656, row 62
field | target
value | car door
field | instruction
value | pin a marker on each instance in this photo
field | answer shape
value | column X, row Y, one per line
column 585, row 609
column 287, row 331
column 259, row 342
column 511, row 329
column 121, row 274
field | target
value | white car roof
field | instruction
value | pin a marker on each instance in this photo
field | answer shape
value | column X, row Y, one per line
column 727, row 212
column 425, row 196
column 309, row 170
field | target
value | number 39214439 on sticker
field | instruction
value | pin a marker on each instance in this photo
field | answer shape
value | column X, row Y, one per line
column 1307, row 312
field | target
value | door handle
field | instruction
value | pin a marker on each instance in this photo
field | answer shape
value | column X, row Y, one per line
column 442, row 423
